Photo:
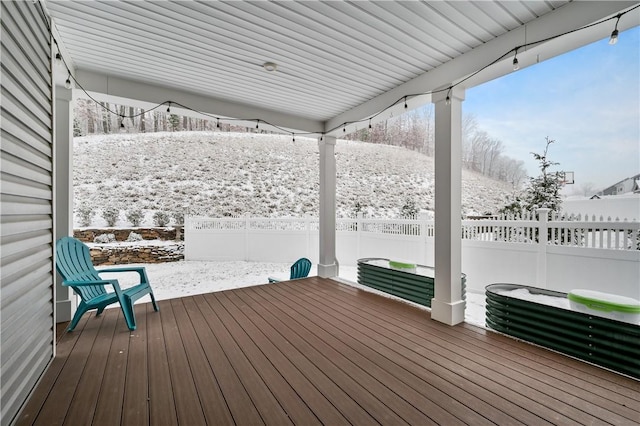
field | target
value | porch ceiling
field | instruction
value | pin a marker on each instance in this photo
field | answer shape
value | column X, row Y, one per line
column 337, row 61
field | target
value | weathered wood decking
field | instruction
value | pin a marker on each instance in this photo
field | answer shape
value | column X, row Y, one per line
column 313, row 352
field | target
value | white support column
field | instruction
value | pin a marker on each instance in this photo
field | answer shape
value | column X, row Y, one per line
column 447, row 305
column 63, row 191
column 328, row 264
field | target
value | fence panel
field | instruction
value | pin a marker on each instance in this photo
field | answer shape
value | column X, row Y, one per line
column 578, row 254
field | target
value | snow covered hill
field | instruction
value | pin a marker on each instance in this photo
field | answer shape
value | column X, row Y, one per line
column 222, row 174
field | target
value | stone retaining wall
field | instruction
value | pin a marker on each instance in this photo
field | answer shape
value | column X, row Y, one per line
column 114, row 254
column 121, row 234
column 144, row 252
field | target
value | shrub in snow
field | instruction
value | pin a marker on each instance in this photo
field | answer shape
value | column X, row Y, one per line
column 134, row 237
column 110, row 215
column 86, row 214
column 161, row 218
column 135, row 216
column 104, row 239
column 178, row 216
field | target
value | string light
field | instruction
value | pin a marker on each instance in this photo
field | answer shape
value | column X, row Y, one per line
column 614, row 34
column 516, row 65
column 294, row 136
column 58, row 58
column 613, row 40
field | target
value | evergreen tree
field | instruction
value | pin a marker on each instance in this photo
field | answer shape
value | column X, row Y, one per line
column 542, row 192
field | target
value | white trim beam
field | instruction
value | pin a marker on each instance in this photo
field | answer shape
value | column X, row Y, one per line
column 116, row 89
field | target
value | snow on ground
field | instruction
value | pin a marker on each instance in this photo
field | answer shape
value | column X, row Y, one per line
column 185, row 278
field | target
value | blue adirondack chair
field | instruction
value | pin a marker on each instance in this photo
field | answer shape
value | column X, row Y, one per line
column 73, row 263
column 300, row 269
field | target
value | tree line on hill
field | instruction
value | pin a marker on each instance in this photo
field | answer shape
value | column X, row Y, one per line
column 413, row 130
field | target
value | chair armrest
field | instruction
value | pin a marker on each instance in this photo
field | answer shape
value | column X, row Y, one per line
column 88, row 283
column 139, row 269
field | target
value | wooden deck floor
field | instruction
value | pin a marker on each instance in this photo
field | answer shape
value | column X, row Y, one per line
column 313, row 352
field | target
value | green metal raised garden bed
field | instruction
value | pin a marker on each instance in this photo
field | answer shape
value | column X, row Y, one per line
column 407, row 281
column 602, row 341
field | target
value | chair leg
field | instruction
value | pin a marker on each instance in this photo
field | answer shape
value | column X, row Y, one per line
column 80, row 310
column 153, row 301
column 100, row 310
column 127, row 311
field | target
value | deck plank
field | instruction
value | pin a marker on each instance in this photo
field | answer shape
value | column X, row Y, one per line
column 185, row 394
column 435, row 400
column 265, row 402
column 56, row 407
column 162, row 407
column 135, row 409
column 313, row 351
column 100, row 380
column 237, row 323
column 214, row 407
column 304, row 387
column 238, row 399
column 66, row 343
column 611, row 407
column 511, row 375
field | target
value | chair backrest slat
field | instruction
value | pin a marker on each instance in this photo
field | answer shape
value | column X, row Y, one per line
column 301, row 268
column 73, row 262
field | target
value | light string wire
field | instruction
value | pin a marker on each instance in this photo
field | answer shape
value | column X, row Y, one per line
column 344, row 124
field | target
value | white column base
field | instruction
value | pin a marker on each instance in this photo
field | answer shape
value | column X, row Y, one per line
column 64, row 310
column 328, row 271
column 448, row 313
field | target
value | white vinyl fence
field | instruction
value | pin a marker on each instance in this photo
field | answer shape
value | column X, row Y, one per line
column 560, row 254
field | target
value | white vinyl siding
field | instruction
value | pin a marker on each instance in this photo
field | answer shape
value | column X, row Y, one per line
column 26, row 234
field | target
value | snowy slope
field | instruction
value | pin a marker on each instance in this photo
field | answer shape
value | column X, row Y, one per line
column 222, row 174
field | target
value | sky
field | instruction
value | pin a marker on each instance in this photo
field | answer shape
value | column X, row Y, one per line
column 587, row 100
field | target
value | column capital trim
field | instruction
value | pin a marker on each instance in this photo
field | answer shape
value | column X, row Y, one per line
column 457, row 93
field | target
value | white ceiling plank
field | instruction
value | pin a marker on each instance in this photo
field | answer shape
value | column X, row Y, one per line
column 337, row 61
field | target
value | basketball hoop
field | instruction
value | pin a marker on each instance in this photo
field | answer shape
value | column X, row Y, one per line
column 565, row 178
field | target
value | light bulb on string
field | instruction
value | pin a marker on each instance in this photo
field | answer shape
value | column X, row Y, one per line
column 614, row 34
column 67, row 82
column 405, row 103
column 58, row 59
column 447, row 100
column 258, row 124
column 218, row 123
column 516, row 65
column 369, row 123
column 169, row 108
column 294, row 136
